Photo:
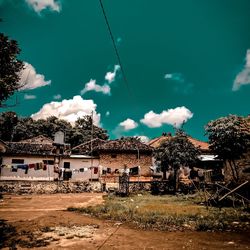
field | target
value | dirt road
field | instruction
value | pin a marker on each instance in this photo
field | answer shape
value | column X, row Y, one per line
column 42, row 220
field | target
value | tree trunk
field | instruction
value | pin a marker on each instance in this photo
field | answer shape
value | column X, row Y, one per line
column 175, row 180
column 235, row 166
column 233, row 171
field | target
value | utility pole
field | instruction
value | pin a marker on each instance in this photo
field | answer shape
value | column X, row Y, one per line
column 91, row 143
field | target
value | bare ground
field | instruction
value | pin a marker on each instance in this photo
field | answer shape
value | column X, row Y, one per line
column 42, row 220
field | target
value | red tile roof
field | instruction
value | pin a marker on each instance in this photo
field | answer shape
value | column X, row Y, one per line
column 156, row 142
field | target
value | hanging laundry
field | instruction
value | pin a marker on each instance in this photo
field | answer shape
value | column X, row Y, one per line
column 32, row 165
column 36, row 166
column 81, row 170
column 14, row 169
column 86, row 169
column 26, row 169
column 56, row 169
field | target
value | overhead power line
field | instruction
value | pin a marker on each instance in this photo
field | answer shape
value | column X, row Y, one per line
column 115, row 48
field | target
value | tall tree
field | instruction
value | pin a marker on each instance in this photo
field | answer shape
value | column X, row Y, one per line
column 14, row 128
column 82, row 131
column 175, row 152
column 8, row 122
column 229, row 137
column 10, row 68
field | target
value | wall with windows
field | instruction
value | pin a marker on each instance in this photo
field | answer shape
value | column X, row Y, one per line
column 32, row 174
column 82, row 168
column 117, row 161
column 79, row 169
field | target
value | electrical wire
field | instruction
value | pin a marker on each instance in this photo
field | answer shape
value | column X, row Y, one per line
column 115, row 48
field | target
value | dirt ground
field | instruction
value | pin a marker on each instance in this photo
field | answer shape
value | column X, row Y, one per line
column 44, row 219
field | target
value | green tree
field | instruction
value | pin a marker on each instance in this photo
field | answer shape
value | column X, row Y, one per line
column 229, row 138
column 10, row 67
column 175, row 152
column 8, row 122
column 82, row 130
column 14, row 128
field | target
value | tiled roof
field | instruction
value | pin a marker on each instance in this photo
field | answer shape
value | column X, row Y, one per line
column 119, row 145
column 39, row 145
column 40, row 139
column 25, row 148
column 125, row 145
column 85, row 148
column 156, row 142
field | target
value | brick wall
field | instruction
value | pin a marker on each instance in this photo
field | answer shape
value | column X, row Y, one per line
column 130, row 159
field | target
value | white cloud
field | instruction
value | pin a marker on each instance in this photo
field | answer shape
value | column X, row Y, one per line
column 69, row 110
column 173, row 117
column 175, row 76
column 92, row 86
column 143, row 138
column 128, row 124
column 29, row 97
column 107, row 113
column 110, row 76
column 39, row 5
column 29, row 79
column 243, row 78
column 57, row 97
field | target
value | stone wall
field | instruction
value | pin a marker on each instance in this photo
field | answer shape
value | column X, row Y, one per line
column 118, row 162
column 48, row 187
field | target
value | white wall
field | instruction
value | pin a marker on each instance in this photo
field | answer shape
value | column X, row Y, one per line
column 7, row 174
column 75, row 164
column 78, row 163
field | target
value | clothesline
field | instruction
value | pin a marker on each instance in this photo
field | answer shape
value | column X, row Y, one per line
column 26, row 167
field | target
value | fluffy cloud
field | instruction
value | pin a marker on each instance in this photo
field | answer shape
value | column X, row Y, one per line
column 173, row 117
column 110, row 76
column 29, row 97
column 128, row 124
column 69, row 110
column 29, row 79
column 39, row 5
column 143, row 138
column 92, row 86
column 57, row 97
column 243, row 78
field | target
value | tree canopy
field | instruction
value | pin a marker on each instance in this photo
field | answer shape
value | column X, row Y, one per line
column 229, row 138
column 175, row 152
column 14, row 128
column 10, row 68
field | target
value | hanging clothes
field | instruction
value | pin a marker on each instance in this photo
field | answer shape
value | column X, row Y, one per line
column 32, row 165
column 14, row 169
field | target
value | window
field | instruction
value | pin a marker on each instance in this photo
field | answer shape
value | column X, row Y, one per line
column 66, row 165
column 17, row 161
column 113, row 156
column 48, row 162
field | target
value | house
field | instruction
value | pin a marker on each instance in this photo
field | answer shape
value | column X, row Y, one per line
column 2, row 147
column 211, row 166
column 115, row 155
column 39, row 158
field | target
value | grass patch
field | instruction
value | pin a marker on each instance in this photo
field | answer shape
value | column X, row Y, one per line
column 167, row 213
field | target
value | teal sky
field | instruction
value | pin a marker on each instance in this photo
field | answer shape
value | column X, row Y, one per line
column 174, row 53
